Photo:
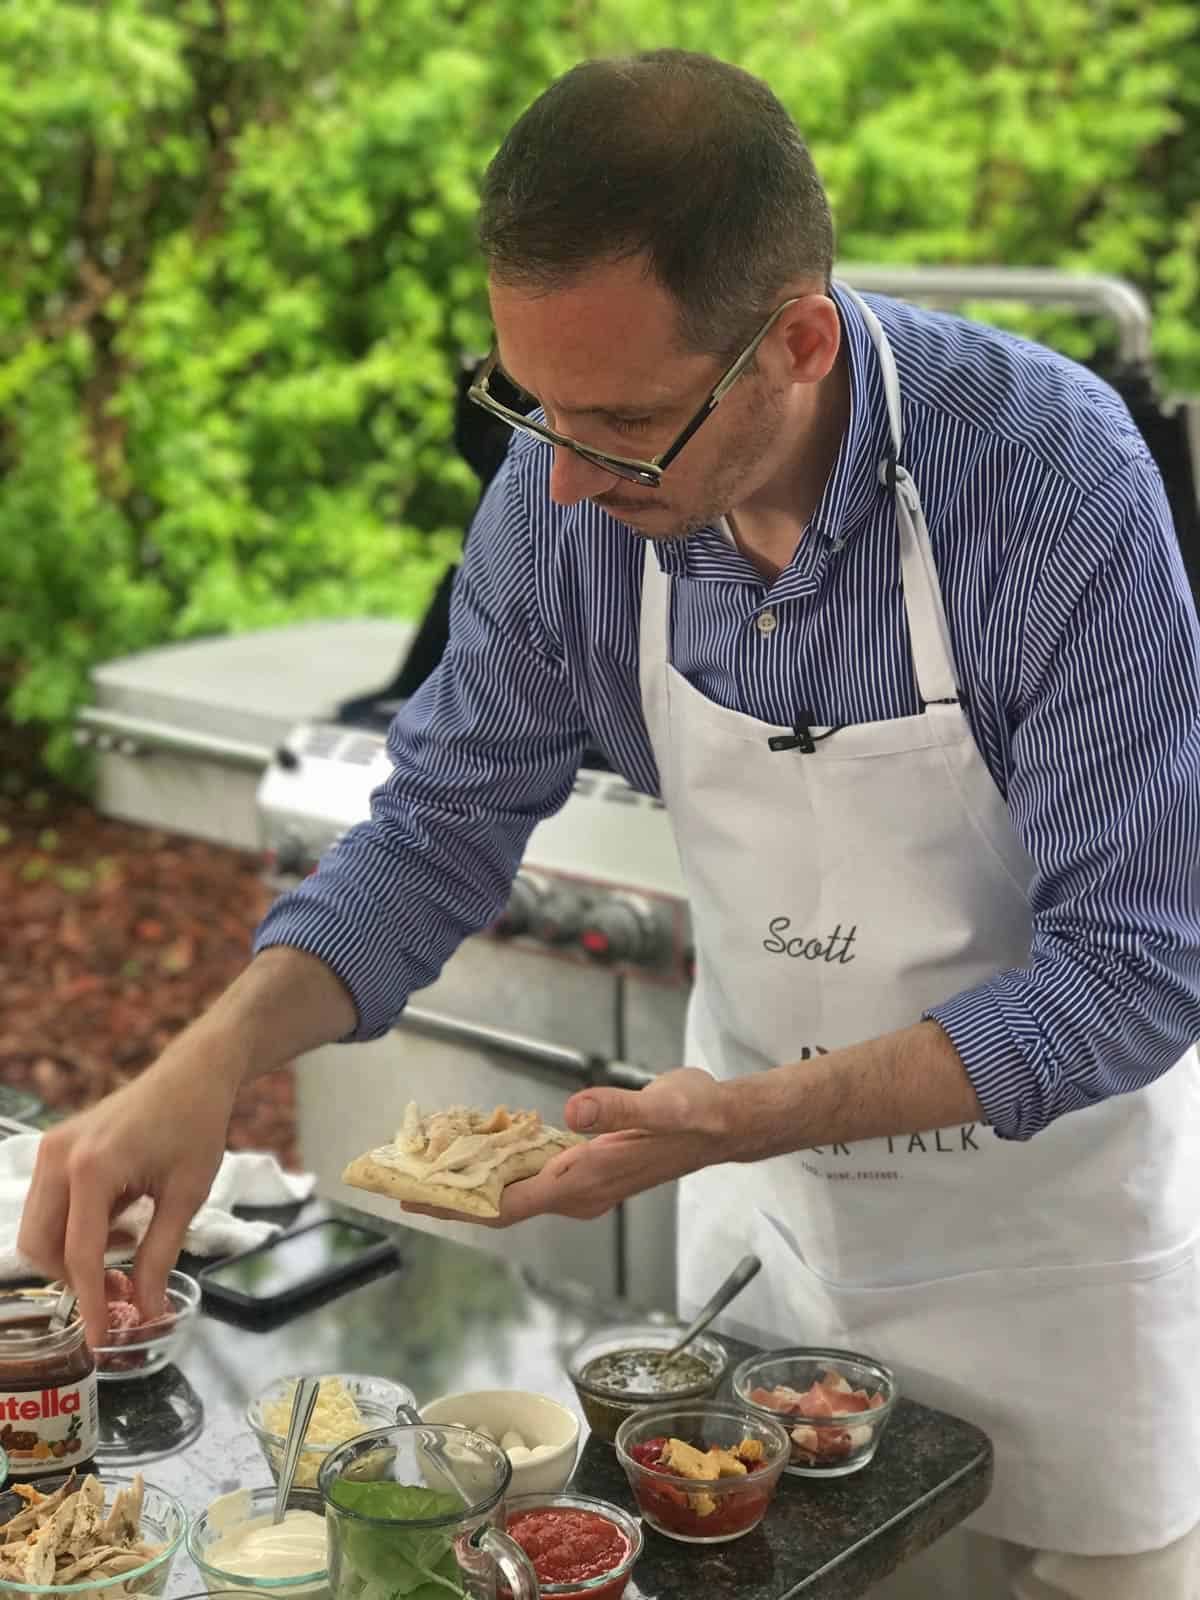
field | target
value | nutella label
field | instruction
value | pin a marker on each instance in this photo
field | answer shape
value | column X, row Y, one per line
column 47, row 1430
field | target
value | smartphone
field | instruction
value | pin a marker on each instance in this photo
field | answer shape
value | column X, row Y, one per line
column 294, row 1266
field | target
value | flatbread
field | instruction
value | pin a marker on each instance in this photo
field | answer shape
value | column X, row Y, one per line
column 461, row 1159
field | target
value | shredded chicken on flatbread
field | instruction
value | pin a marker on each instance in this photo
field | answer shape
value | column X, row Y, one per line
column 62, row 1537
column 460, row 1159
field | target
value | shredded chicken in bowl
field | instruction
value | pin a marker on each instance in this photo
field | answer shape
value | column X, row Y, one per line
column 68, row 1536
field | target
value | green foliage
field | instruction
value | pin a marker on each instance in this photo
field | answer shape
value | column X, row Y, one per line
column 239, row 260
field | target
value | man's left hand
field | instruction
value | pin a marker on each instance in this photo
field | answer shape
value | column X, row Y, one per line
column 643, row 1137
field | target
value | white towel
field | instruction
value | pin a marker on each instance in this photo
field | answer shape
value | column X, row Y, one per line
column 247, row 1178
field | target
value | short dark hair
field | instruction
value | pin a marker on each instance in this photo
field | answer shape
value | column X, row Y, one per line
column 674, row 155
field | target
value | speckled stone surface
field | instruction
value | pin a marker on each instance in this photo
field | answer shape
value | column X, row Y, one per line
column 451, row 1319
column 822, row 1539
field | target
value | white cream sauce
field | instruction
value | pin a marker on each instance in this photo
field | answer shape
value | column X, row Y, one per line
column 258, row 1548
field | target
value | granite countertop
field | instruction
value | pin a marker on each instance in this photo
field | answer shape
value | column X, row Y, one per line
column 450, row 1318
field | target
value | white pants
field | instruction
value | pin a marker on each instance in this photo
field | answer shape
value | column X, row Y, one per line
column 966, row 1566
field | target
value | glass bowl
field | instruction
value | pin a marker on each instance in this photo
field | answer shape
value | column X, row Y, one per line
column 702, row 1511
column 822, row 1446
column 19, row 1105
column 163, row 1522
column 606, row 1404
column 608, row 1585
column 376, row 1399
column 138, row 1352
column 228, row 1512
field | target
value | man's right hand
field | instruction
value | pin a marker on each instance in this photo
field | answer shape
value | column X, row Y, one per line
column 162, row 1135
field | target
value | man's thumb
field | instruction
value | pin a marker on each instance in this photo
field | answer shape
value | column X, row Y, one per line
column 614, row 1111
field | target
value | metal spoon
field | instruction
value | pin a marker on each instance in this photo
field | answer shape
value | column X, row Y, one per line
column 303, row 1406
column 737, row 1280
column 435, row 1450
column 63, row 1308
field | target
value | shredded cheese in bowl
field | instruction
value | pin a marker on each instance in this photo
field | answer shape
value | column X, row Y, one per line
column 335, row 1416
column 346, row 1406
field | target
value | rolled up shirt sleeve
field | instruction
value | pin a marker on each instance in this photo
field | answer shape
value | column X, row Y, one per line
column 486, row 749
column 1104, row 791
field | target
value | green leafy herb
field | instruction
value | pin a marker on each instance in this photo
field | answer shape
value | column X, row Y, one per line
column 394, row 1559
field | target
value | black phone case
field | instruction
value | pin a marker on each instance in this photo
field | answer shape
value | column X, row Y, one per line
column 367, row 1261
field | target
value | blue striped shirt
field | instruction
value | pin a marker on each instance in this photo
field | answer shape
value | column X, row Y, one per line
column 1076, row 640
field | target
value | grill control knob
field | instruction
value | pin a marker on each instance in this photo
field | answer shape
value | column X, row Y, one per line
column 518, row 915
column 620, row 929
column 559, row 916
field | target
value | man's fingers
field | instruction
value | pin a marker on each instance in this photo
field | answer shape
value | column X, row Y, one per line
column 451, row 1216
column 159, row 1250
column 91, row 1194
column 556, row 1190
column 528, row 1197
column 42, row 1233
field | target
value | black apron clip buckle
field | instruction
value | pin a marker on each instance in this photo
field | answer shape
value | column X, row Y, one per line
column 800, row 738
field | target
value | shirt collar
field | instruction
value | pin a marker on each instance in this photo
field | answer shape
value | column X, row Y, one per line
column 708, row 549
column 853, row 488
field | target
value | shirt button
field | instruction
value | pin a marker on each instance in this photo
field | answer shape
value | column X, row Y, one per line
column 766, row 622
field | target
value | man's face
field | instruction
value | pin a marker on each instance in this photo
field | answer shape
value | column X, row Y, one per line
column 603, row 359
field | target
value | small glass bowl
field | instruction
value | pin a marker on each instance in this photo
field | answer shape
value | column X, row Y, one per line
column 259, row 1503
column 139, row 1352
column 607, row 1585
column 19, row 1105
column 376, row 1399
column 829, row 1447
column 606, row 1407
column 696, row 1511
column 164, row 1522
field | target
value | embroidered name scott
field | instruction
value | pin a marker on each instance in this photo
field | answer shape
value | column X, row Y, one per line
column 834, row 947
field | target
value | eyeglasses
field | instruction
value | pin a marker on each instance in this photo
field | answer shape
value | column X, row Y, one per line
column 647, row 473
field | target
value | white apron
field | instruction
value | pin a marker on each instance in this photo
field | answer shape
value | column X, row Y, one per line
column 1047, row 1290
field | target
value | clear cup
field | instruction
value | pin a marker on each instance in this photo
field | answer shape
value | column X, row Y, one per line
column 424, row 1504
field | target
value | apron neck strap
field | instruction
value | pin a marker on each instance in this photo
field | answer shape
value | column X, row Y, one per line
column 933, row 656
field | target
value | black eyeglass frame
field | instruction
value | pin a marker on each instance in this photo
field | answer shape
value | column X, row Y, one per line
column 646, row 473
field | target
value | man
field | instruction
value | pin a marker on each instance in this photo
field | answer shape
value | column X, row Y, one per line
column 889, row 609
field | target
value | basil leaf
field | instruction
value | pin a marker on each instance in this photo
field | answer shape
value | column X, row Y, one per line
column 397, row 1562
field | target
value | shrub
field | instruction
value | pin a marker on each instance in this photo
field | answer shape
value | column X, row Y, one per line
column 239, row 264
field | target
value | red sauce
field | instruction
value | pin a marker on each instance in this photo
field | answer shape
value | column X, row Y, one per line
column 735, row 1511
column 567, row 1545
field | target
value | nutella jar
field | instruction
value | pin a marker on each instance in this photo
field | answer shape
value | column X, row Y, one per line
column 49, row 1414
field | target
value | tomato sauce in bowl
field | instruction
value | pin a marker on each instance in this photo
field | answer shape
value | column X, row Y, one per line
column 578, row 1545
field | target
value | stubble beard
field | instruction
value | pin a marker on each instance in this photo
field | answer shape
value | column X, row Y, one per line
column 731, row 476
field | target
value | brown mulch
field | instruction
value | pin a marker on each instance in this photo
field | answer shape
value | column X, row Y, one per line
column 113, row 938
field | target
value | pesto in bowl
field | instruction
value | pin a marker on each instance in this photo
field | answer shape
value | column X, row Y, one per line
column 620, row 1370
